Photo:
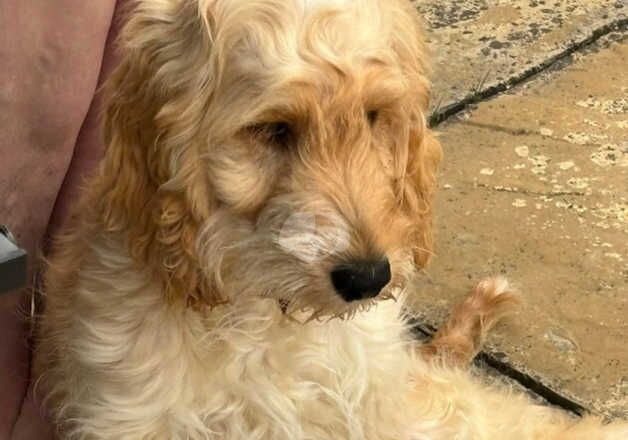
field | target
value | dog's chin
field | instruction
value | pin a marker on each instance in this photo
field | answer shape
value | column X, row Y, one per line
column 336, row 308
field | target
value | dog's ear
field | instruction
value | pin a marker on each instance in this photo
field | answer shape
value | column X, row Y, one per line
column 421, row 151
column 151, row 184
column 423, row 158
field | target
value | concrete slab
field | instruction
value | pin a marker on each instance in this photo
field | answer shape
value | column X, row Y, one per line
column 478, row 44
column 535, row 186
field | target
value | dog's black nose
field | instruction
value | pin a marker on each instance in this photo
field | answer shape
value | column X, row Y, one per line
column 361, row 279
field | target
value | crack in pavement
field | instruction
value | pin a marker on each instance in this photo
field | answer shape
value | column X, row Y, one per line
column 502, row 129
column 440, row 115
column 517, row 190
column 522, row 132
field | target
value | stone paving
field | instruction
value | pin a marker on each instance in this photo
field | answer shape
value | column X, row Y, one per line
column 479, row 45
column 534, row 185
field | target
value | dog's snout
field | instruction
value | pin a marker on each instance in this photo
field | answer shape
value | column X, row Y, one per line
column 361, row 279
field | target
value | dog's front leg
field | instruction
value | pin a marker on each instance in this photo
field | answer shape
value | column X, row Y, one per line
column 458, row 341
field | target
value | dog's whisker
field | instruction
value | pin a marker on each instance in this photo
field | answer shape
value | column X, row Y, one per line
column 423, row 249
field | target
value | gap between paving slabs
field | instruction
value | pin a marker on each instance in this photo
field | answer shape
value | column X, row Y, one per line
column 530, row 384
column 481, row 93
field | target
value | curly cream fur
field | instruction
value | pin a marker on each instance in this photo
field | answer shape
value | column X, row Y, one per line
column 183, row 302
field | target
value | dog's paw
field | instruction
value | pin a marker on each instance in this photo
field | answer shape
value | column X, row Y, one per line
column 462, row 336
column 491, row 300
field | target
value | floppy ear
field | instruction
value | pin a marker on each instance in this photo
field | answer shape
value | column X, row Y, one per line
column 423, row 158
column 423, row 152
column 151, row 184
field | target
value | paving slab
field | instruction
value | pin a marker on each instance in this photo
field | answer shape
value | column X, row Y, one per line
column 479, row 44
column 534, row 185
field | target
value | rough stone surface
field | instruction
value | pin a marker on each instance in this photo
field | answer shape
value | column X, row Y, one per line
column 477, row 44
column 534, row 185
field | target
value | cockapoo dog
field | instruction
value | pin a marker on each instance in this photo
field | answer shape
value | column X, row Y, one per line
column 238, row 266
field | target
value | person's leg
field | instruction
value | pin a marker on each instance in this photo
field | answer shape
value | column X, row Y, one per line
column 50, row 53
column 89, row 145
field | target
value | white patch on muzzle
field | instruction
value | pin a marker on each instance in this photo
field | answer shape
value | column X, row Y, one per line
column 310, row 241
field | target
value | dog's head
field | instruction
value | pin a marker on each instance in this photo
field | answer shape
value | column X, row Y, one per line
column 272, row 147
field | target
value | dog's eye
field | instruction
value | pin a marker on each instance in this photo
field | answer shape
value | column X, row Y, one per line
column 276, row 133
column 372, row 116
